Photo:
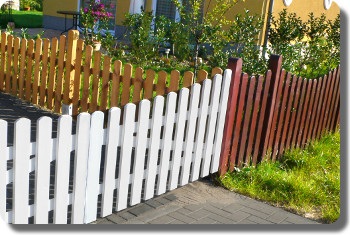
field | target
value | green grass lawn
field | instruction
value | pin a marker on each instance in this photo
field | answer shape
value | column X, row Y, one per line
column 23, row 19
column 306, row 182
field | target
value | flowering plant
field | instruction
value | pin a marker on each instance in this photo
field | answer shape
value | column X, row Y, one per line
column 95, row 20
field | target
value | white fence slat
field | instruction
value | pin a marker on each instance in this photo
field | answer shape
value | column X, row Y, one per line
column 179, row 133
column 213, row 114
column 167, row 142
column 221, row 120
column 42, row 169
column 82, row 138
column 3, row 168
column 140, row 151
column 93, row 169
column 63, row 150
column 157, row 116
column 110, row 161
column 191, row 128
column 198, row 149
column 125, row 157
column 21, row 157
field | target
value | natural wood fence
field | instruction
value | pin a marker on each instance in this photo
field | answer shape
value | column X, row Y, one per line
column 65, row 71
column 269, row 114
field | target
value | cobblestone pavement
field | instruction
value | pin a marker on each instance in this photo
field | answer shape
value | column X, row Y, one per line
column 202, row 202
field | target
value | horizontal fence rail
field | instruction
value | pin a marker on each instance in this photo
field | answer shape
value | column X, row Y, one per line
column 66, row 71
column 144, row 151
column 267, row 115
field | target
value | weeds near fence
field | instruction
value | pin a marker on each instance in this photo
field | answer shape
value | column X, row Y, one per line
column 306, row 182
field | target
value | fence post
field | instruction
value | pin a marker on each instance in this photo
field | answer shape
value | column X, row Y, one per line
column 275, row 64
column 235, row 64
column 73, row 36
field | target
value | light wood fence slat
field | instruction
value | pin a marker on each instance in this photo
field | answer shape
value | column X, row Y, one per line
column 86, row 81
column 3, row 168
column 140, row 151
column 3, row 60
column 15, row 73
column 77, row 77
column 157, row 115
column 63, row 150
column 52, row 73
column 190, row 132
column 43, row 157
column 188, row 79
column 148, row 84
column 73, row 36
column 9, row 63
column 105, row 82
column 126, row 79
column 125, row 156
column 215, row 71
column 201, row 76
column 178, row 141
column 137, row 95
column 246, row 122
column 93, row 167
column 221, row 120
column 110, row 161
column 200, row 132
column 95, row 82
column 161, row 83
column 22, row 68
column 21, row 156
column 167, row 139
column 82, row 138
column 117, row 71
column 60, row 71
column 37, row 70
column 174, row 81
column 44, row 74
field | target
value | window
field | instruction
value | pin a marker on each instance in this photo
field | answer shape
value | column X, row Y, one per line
column 166, row 8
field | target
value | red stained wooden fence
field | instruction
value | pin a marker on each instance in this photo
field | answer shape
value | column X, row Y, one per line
column 275, row 112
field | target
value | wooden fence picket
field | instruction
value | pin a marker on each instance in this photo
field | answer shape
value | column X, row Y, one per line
column 43, row 157
column 22, row 68
column 95, row 82
column 77, row 77
column 37, row 70
column 60, row 73
column 117, row 70
column 10, row 40
column 44, row 74
column 137, row 85
column 161, row 83
column 82, row 139
column 16, row 53
column 52, row 73
column 86, row 81
column 3, row 59
column 126, row 79
column 105, row 83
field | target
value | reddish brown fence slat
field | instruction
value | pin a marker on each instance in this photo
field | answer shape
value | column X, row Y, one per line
column 329, row 98
column 333, row 120
column 333, row 100
column 238, row 126
column 262, row 116
column 275, row 64
column 299, row 113
column 324, row 106
column 304, row 114
column 255, row 112
column 285, row 128
column 281, row 117
column 314, row 109
column 246, row 121
column 236, row 66
column 309, row 113
column 319, row 108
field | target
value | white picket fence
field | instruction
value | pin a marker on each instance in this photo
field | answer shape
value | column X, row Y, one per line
column 175, row 142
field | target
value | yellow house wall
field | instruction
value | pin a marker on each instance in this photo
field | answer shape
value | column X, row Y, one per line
column 50, row 7
column 303, row 7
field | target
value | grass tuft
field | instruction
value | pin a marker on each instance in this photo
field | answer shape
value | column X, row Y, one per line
column 306, row 182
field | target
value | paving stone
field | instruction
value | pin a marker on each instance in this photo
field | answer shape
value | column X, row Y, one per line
column 217, row 211
column 154, row 203
column 162, row 200
column 151, row 215
column 171, row 197
column 278, row 217
column 260, row 206
column 127, row 215
column 162, row 220
column 232, row 207
column 299, row 220
column 115, row 218
column 135, row 221
column 258, row 220
column 255, row 212
column 201, row 213
column 205, row 220
column 104, row 221
column 193, row 207
column 177, row 222
column 181, row 217
column 220, row 219
column 138, row 210
column 246, row 221
column 184, row 211
column 239, row 216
